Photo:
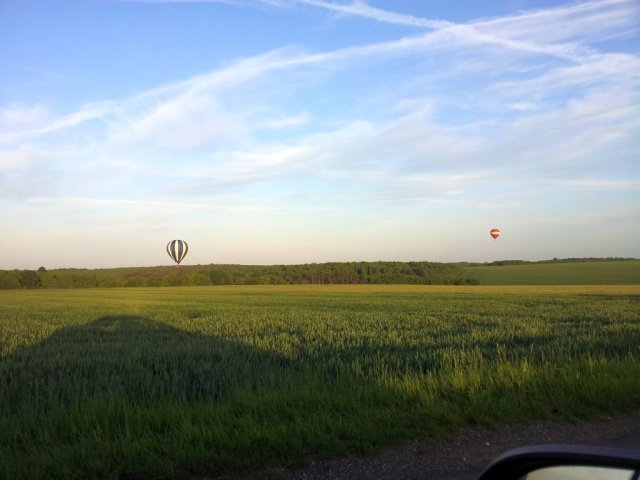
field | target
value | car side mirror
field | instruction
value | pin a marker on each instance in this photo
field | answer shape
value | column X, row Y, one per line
column 579, row 472
column 565, row 462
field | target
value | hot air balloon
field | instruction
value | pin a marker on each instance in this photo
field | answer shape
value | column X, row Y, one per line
column 495, row 233
column 177, row 249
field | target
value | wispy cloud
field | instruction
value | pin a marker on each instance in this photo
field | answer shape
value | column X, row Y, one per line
column 603, row 184
column 550, row 32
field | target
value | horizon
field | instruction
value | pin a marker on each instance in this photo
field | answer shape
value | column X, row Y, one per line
column 458, row 262
column 289, row 132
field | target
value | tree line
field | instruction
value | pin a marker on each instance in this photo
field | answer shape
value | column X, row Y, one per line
column 418, row 273
column 502, row 263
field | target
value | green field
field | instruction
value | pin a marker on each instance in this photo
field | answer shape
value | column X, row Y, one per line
column 207, row 381
column 579, row 273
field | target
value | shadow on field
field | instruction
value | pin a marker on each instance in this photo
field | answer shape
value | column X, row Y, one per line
column 133, row 398
column 135, row 359
column 143, row 361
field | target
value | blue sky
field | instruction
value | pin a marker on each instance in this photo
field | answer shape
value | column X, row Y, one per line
column 298, row 131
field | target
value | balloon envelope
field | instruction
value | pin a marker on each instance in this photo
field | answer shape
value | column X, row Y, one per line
column 177, row 250
column 495, row 233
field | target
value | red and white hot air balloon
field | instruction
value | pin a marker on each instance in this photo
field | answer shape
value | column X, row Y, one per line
column 495, row 233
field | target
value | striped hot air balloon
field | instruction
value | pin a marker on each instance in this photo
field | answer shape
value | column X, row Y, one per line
column 495, row 233
column 177, row 250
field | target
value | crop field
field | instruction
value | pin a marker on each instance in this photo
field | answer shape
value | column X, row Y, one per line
column 153, row 383
column 578, row 273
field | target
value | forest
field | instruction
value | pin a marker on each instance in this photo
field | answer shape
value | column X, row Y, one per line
column 414, row 273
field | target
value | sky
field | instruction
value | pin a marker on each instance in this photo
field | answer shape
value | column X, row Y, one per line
column 304, row 131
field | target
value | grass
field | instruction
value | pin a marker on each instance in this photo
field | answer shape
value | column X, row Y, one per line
column 579, row 273
column 208, row 381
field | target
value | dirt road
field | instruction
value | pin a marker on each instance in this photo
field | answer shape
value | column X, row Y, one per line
column 464, row 455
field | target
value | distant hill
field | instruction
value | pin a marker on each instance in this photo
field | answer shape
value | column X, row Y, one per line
column 557, row 272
